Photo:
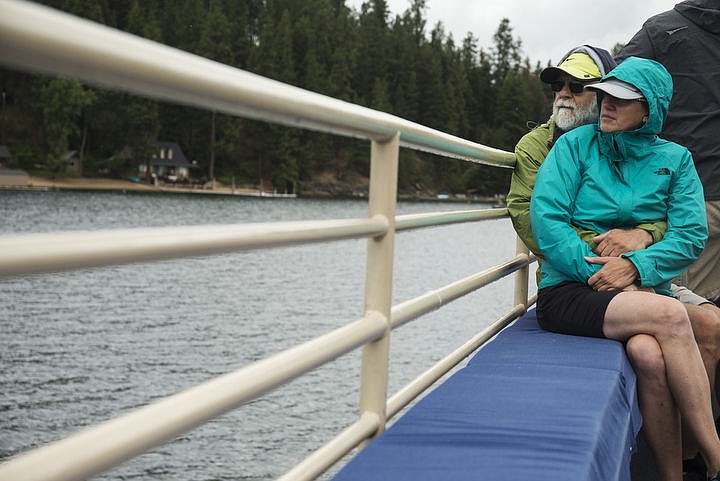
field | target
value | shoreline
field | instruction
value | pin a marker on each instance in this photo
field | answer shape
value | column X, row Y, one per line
column 35, row 183
column 119, row 185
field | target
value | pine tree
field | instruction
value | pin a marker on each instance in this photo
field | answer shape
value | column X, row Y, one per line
column 142, row 115
column 63, row 103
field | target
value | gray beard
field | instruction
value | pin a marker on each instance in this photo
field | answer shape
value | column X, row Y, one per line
column 567, row 119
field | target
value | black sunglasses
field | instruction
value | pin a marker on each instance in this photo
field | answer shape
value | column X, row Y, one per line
column 575, row 87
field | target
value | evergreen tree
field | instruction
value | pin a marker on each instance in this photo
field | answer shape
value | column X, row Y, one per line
column 63, row 103
column 506, row 51
column 142, row 115
column 343, row 57
column 185, row 26
column 434, row 107
column 215, row 44
column 408, row 40
column 374, row 40
column 215, row 40
column 90, row 9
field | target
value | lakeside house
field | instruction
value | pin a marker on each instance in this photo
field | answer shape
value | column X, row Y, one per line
column 168, row 163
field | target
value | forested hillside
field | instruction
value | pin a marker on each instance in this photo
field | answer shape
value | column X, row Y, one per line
column 397, row 64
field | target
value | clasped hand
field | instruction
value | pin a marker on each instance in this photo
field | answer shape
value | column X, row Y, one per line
column 617, row 242
column 617, row 272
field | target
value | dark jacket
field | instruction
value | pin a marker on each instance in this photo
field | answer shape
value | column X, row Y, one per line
column 686, row 40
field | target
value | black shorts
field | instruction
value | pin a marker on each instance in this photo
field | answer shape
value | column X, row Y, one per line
column 573, row 308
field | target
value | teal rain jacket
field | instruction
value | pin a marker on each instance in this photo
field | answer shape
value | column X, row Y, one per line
column 600, row 181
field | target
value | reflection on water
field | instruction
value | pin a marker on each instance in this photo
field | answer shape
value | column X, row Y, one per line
column 78, row 348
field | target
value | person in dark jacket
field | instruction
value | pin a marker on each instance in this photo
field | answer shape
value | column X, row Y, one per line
column 686, row 40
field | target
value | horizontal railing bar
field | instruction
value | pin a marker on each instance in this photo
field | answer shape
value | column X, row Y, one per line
column 22, row 254
column 414, row 221
column 432, row 300
column 33, row 37
column 323, row 458
column 411, row 391
column 52, row 252
column 104, row 446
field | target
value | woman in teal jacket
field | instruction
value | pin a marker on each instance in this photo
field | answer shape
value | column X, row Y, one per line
column 618, row 174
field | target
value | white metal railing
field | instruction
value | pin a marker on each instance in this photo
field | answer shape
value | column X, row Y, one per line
column 40, row 39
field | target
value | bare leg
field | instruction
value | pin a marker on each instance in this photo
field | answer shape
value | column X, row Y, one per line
column 666, row 319
column 716, row 353
column 661, row 419
column 705, row 321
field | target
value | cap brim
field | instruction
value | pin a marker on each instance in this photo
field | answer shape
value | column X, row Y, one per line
column 551, row 74
column 616, row 90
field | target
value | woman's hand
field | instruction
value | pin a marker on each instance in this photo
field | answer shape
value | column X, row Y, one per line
column 616, row 273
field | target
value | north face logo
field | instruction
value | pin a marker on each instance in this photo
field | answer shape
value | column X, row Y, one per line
column 662, row 171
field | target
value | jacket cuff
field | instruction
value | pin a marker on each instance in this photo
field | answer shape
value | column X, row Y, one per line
column 633, row 257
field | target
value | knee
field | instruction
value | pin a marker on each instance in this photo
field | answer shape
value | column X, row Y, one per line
column 673, row 319
column 706, row 327
column 646, row 356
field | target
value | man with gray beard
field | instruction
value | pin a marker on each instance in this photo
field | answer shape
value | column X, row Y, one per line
column 572, row 107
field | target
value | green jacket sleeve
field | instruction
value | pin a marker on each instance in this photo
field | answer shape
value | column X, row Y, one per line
column 656, row 230
column 530, row 152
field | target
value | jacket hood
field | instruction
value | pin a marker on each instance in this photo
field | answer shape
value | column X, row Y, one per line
column 701, row 13
column 655, row 83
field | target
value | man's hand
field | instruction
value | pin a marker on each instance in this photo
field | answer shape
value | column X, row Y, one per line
column 616, row 273
column 617, row 242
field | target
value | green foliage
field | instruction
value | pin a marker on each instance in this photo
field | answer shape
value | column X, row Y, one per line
column 62, row 103
column 396, row 64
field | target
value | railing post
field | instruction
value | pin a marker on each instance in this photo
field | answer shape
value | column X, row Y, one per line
column 378, row 278
column 521, row 276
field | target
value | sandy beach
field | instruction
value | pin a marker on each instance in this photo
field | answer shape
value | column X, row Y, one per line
column 120, row 185
column 90, row 184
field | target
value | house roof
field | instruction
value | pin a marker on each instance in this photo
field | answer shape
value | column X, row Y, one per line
column 170, row 153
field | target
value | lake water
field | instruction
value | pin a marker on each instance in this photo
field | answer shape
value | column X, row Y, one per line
column 81, row 347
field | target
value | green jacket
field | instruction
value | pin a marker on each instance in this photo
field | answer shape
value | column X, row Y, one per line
column 530, row 152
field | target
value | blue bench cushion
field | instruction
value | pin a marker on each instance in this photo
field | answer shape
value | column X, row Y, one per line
column 531, row 405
